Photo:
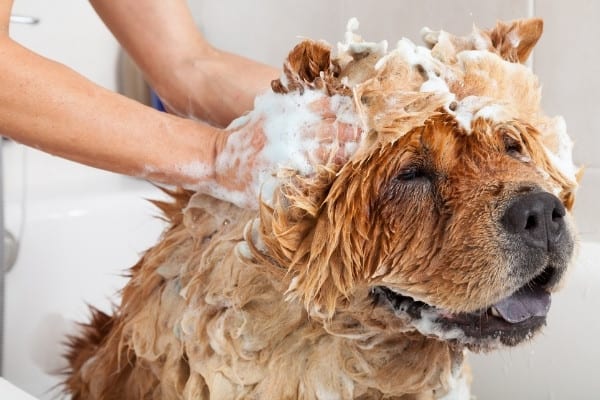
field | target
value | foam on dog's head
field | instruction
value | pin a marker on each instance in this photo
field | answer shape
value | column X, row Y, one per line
column 471, row 86
column 470, row 78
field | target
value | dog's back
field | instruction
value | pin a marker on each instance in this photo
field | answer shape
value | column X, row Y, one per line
column 134, row 353
column 200, row 319
column 196, row 309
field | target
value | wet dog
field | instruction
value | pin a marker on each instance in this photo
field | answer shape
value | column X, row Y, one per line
column 446, row 229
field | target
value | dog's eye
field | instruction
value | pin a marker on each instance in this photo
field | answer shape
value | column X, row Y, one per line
column 412, row 173
column 513, row 147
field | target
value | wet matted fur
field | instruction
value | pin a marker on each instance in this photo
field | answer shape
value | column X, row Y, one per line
column 366, row 279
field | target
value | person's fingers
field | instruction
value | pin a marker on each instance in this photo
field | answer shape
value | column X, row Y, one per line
column 337, row 142
column 348, row 132
column 322, row 107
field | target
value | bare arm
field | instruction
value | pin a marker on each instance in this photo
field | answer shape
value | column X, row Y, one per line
column 46, row 105
column 192, row 77
column 5, row 17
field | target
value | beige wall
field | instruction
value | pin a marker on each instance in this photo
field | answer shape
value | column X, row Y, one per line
column 69, row 32
column 567, row 57
column 567, row 61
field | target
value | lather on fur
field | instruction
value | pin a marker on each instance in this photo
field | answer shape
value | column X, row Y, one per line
column 366, row 279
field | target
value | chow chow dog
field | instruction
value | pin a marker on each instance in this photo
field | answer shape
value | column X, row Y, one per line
column 445, row 228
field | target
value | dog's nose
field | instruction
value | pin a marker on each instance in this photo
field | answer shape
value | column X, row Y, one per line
column 538, row 218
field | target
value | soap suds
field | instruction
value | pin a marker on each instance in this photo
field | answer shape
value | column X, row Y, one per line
column 480, row 42
column 458, row 388
column 325, row 393
column 472, row 108
column 290, row 142
column 563, row 158
column 196, row 170
column 514, row 38
column 241, row 121
column 354, row 44
column 434, row 84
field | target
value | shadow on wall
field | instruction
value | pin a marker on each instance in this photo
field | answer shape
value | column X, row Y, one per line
column 130, row 81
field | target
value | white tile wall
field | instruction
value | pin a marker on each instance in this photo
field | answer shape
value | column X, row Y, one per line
column 567, row 61
column 69, row 32
column 266, row 30
column 392, row 19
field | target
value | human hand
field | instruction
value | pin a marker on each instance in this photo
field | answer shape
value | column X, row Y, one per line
column 292, row 131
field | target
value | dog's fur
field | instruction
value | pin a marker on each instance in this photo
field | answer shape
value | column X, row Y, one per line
column 279, row 304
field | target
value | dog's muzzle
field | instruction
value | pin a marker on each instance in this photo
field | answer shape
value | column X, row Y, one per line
column 535, row 237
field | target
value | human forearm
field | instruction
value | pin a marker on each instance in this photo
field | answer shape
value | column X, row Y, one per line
column 156, row 33
column 192, row 77
column 5, row 16
column 46, row 105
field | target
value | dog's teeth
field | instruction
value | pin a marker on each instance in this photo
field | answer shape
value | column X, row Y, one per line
column 495, row 312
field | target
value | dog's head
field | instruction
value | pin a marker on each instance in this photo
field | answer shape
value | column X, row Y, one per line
column 452, row 217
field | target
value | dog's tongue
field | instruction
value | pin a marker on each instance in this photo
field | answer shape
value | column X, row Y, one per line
column 524, row 304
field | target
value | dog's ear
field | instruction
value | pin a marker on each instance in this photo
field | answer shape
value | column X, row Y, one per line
column 515, row 40
column 313, row 233
column 309, row 65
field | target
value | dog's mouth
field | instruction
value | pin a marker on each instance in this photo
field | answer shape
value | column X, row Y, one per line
column 509, row 321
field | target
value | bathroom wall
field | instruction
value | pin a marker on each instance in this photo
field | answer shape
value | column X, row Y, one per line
column 568, row 64
column 69, row 32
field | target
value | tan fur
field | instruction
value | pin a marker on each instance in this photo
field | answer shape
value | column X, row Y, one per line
column 234, row 304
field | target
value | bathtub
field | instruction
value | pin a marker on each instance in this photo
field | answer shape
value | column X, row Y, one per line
column 79, row 229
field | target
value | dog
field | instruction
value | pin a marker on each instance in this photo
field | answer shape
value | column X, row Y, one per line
column 446, row 229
